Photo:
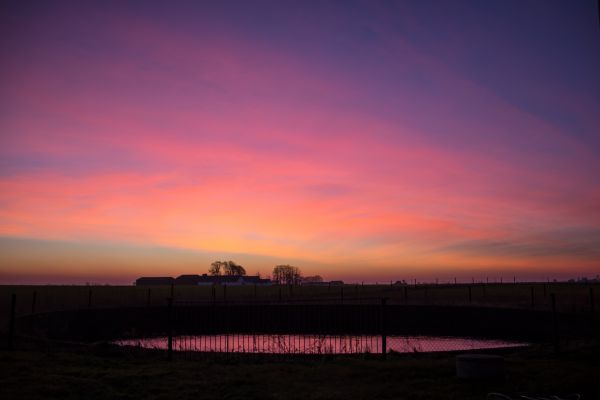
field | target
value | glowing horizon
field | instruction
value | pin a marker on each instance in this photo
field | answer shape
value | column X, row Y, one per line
column 356, row 140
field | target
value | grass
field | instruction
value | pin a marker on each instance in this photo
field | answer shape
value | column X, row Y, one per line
column 102, row 373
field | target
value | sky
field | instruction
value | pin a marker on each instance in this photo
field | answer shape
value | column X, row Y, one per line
column 358, row 140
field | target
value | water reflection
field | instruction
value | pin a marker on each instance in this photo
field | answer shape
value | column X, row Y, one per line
column 315, row 344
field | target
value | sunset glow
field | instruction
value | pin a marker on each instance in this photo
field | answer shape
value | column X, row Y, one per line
column 362, row 141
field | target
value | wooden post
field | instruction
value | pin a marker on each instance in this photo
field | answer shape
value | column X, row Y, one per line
column 214, row 293
column 149, row 298
column 170, row 328
column 280, row 293
column 90, row 298
column 383, row 328
column 592, row 305
column 11, row 321
column 255, row 291
column 172, row 290
column 342, row 293
column 555, row 323
column 406, row 293
column 532, row 297
column 470, row 296
column 33, row 300
column 545, row 285
column 514, row 279
column 500, row 280
column 455, row 281
column 224, row 292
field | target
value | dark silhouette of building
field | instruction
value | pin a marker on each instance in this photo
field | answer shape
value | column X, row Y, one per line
column 154, row 281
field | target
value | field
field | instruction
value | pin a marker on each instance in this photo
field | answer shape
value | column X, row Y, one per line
column 101, row 373
column 39, row 369
column 570, row 297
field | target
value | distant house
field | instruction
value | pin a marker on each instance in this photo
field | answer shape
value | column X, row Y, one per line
column 188, row 280
column 330, row 283
column 154, row 281
column 232, row 280
column 203, row 280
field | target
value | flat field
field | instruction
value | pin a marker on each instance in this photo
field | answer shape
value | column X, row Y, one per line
column 102, row 373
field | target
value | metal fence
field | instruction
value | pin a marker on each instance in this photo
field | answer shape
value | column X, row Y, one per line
column 294, row 325
column 358, row 326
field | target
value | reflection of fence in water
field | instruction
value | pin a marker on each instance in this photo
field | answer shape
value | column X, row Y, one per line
column 279, row 344
column 315, row 344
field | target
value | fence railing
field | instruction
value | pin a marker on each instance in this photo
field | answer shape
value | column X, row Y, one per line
column 300, row 325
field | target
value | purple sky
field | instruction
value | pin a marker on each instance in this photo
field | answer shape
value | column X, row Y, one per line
column 358, row 140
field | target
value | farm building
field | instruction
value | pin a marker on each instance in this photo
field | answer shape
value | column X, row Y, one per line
column 188, row 280
column 154, row 281
column 202, row 280
column 232, row 280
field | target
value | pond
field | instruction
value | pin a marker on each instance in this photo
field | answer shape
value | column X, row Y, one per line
column 316, row 344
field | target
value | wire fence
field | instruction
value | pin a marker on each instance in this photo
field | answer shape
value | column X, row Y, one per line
column 301, row 324
column 574, row 297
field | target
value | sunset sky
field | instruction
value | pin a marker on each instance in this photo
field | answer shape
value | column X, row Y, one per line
column 363, row 141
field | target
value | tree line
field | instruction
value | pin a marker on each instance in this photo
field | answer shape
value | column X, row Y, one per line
column 282, row 274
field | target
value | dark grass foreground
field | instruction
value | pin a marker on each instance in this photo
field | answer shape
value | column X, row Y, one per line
column 102, row 372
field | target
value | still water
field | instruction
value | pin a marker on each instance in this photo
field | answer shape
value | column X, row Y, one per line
column 315, row 344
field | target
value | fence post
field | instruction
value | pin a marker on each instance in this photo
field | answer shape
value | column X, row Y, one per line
column 170, row 328
column 33, row 300
column 406, row 293
column 214, row 293
column 383, row 328
column 532, row 297
column 90, row 298
column 149, row 297
column 555, row 323
column 455, row 281
column 172, row 290
column 342, row 293
column 592, row 305
column 470, row 295
column 224, row 292
column 255, row 291
column 11, row 321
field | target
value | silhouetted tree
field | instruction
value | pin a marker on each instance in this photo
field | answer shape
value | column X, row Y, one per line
column 215, row 268
column 229, row 268
column 233, row 269
column 286, row 274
